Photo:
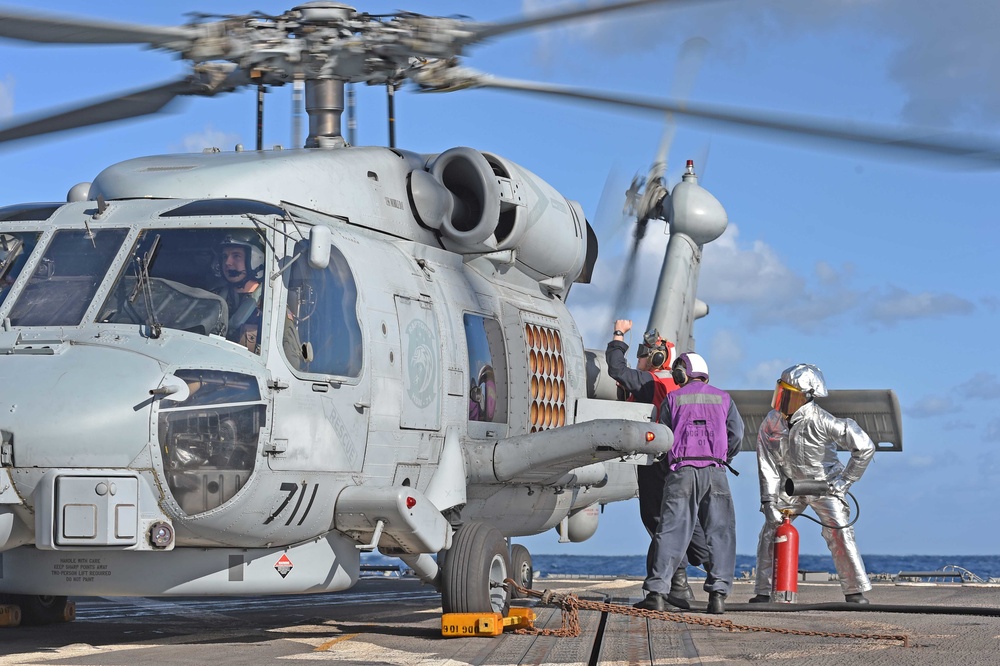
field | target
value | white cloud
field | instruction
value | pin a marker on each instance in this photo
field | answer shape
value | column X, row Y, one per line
column 756, row 286
column 766, row 373
column 7, row 98
column 982, row 385
column 208, row 138
column 723, row 353
column 738, row 275
column 894, row 305
column 930, row 406
column 942, row 55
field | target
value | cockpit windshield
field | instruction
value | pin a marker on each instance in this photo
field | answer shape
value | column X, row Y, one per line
column 15, row 248
column 204, row 280
column 66, row 278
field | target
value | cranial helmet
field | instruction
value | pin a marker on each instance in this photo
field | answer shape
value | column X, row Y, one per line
column 251, row 243
column 798, row 385
column 656, row 348
column 689, row 366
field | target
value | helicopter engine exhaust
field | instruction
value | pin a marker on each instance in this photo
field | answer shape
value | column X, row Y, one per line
column 460, row 197
column 481, row 203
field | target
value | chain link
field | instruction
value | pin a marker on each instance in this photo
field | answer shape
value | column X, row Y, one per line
column 571, row 605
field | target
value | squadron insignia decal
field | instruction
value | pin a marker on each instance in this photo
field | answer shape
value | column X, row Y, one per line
column 423, row 364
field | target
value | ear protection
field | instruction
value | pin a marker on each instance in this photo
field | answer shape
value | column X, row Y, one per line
column 679, row 374
column 656, row 348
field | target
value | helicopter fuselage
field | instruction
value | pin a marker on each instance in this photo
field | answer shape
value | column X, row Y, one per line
column 397, row 360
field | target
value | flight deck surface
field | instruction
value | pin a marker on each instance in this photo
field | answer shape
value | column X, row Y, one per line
column 398, row 621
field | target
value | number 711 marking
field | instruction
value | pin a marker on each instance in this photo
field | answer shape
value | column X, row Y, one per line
column 292, row 489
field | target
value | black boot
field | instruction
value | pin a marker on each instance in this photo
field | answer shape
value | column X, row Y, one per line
column 653, row 601
column 680, row 591
column 716, row 603
column 857, row 598
column 760, row 599
column 679, row 586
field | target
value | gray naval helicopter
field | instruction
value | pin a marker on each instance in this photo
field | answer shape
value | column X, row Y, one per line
column 237, row 371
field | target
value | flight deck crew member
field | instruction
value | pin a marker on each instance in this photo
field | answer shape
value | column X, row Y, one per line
column 798, row 440
column 241, row 263
column 707, row 430
column 650, row 382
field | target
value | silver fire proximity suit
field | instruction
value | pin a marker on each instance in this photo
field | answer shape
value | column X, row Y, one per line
column 800, row 448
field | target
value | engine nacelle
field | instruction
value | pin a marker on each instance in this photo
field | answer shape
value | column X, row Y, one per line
column 579, row 525
column 481, row 203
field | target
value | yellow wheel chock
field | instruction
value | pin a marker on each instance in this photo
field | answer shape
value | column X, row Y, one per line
column 456, row 625
column 10, row 615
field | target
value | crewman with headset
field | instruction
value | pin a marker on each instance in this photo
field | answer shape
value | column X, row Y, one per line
column 650, row 381
column 708, row 431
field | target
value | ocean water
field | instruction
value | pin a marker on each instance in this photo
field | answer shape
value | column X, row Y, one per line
column 984, row 566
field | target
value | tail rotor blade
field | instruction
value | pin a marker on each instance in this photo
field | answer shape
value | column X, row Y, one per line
column 623, row 297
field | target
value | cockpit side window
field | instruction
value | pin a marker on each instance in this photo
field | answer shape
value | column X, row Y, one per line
column 67, row 277
column 204, row 280
column 487, row 369
column 321, row 333
column 15, row 248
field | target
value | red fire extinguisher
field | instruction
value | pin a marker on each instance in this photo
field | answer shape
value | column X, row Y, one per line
column 786, row 563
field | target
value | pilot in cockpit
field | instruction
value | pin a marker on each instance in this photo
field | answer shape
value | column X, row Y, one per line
column 241, row 265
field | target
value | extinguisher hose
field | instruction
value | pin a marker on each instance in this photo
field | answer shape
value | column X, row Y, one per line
column 857, row 514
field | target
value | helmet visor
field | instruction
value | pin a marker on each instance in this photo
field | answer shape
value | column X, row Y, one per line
column 787, row 399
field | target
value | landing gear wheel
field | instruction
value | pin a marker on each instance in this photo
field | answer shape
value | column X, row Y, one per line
column 521, row 569
column 40, row 609
column 474, row 570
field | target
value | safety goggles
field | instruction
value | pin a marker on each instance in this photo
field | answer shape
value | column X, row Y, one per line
column 650, row 341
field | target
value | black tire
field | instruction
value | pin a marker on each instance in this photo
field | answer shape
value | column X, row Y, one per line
column 521, row 569
column 40, row 609
column 474, row 570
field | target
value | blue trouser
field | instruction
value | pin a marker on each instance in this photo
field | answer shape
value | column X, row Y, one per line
column 651, row 479
column 692, row 496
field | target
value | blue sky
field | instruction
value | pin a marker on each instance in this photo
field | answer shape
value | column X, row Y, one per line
column 881, row 272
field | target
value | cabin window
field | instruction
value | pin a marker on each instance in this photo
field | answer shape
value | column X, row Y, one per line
column 209, row 440
column 15, row 248
column 66, row 278
column 205, row 281
column 487, row 369
column 322, row 334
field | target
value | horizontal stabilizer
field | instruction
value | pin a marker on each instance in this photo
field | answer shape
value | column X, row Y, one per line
column 876, row 411
column 546, row 457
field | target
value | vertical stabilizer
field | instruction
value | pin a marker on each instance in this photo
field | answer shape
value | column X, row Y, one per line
column 696, row 218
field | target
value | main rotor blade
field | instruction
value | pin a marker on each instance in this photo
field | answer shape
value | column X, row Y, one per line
column 62, row 29
column 493, row 29
column 138, row 103
column 981, row 151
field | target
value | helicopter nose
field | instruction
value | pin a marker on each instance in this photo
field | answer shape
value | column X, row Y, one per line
column 76, row 405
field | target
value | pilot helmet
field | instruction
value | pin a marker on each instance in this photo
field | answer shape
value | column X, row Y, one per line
column 797, row 386
column 250, row 241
